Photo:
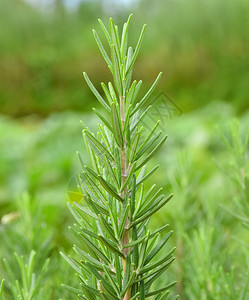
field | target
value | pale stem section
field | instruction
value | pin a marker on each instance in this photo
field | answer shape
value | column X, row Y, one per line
column 123, row 178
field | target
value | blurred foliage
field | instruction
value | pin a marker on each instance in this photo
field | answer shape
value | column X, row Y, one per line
column 200, row 45
column 211, row 261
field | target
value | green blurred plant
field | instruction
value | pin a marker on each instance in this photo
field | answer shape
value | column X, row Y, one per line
column 27, row 287
column 116, row 249
column 237, row 170
column 23, row 236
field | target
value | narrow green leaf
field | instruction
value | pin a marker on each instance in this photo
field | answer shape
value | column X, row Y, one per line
column 118, row 270
column 136, row 49
column 107, row 227
column 147, row 95
column 134, row 144
column 104, row 282
column 156, row 273
column 118, row 163
column 105, row 138
column 129, row 283
column 97, row 145
column 85, row 256
column 111, row 172
column 159, row 230
column 30, row 266
column 112, row 93
column 147, row 139
column 1, row 288
column 140, row 119
column 110, row 245
column 148, row 175
column 149, row 145
column 105, row 31
column 157, row 248
column 95, row 249
column 111, row 280
column 152, row 153
column 134, row 243
column 161, row 290
column 129, row 96
column 142, row 289
column 113, row 218
column 138, row 206
column 85, row 210
column 150, row 213
column 157, row 263
column 137, row 89
column 71, row 262
column 115, row 38
column 142, row 252
column 127, row 272
column 107, row 292
column 135, row 297
column 162, row 296
column 135, row 250
column 117, row 126
column 72, row 289
column 128, row 77
column 101, row 48
column 91, row 289
column 102, row 118
column 107, row 93
column 116, row 71
column 124, row 37
column 95, row 92
column 109, row 188
column 123, row 221
column 133, row 194
column 150, row 204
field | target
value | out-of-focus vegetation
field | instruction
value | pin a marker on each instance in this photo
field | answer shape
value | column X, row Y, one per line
column 200, row 45
column 211, row 256
column 202, row 48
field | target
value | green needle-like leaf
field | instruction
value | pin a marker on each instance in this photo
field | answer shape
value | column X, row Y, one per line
column 97, row 145
column 149, row 213
column 117, row 126
column 116, row 71
column 101, row 48
column 129, row 176
column 136, row 49
column 161, row 290
column 105, row 31
column 152, row 153
column 158, row 248
column 147, row 95
column 1, row 288
column 110, row 245
column 109, row 188
column 124, row 39
column 95, row 92
column 102, row 118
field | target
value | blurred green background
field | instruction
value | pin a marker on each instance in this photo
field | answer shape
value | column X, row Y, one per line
column 202, row 47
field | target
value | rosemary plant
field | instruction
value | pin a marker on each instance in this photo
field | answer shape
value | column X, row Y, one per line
column 237, row 144
column 25, row 263
column 115, row 248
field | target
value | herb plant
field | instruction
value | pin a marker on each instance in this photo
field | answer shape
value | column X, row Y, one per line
column 115, row 249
